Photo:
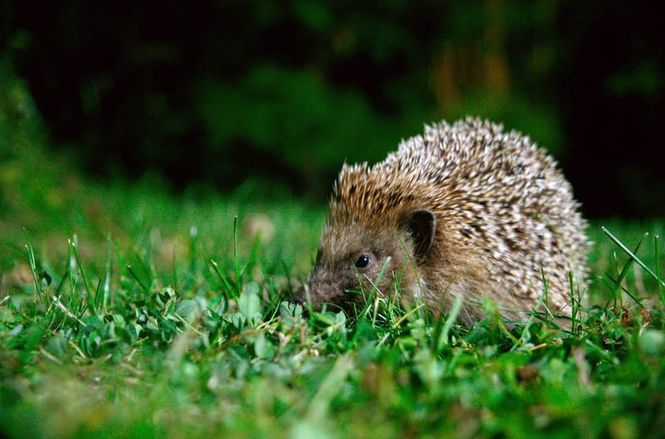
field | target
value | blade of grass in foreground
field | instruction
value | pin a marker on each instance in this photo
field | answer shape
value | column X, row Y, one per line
column 106, row 288
column 624, row 273
column 661, row 287
column 137, row 279
column 236, row 262
column 450, row 320
column 73, row 243
column 575, row 303
column 33, row 269
column 632, row 255
column 227, row 285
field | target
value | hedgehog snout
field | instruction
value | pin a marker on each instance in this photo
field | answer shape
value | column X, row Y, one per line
column 323, row 286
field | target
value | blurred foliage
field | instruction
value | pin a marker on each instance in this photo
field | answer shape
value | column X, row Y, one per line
column 221, row 92
column 298, row 112
column 32, row 182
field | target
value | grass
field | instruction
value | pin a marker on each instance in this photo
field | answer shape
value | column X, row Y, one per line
column 127, row 312
column 138, row 314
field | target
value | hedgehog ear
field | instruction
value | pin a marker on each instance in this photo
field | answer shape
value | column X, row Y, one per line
column 421, row 225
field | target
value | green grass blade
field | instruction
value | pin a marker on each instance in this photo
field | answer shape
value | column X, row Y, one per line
column 450, row 320
column 227, row 285
column 33, row 270
column 632, row 255
column 573, row 304
column 89, row 299
column 661, row 284
column 137, row 279
column 106, row 287
column 622, row 275
column 236, row 262
column 625, row 290
column 174, row 269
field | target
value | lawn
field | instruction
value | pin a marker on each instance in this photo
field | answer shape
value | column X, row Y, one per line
column 128, row 311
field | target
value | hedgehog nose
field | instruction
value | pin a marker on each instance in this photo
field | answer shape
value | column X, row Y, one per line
column 304, row 294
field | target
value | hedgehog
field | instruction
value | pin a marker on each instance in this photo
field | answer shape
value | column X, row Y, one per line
column 464, row 210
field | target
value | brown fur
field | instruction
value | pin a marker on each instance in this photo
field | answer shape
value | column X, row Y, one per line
column 504, row 215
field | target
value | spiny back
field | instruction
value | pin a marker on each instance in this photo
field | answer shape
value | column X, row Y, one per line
column 493, row 192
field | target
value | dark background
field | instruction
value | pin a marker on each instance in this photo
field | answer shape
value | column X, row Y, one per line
column 282, row 92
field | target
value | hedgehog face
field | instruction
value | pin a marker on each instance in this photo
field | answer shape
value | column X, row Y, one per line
column 357, row 258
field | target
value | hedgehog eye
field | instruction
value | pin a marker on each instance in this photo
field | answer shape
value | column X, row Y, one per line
column 362, row 261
